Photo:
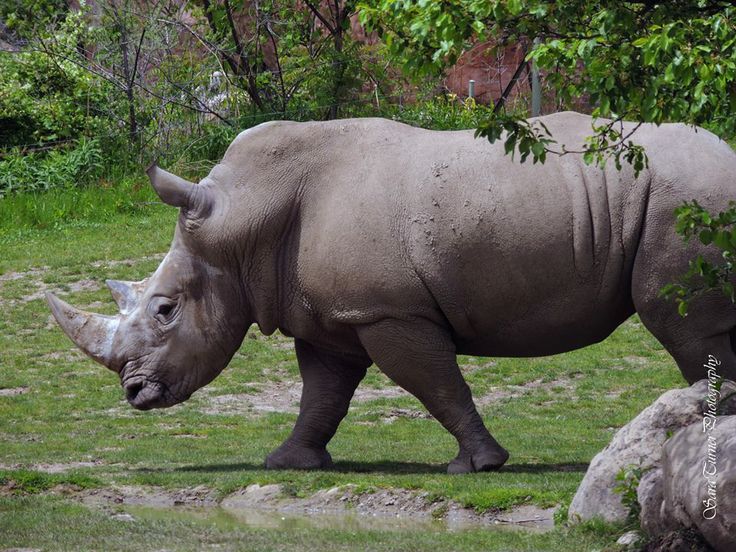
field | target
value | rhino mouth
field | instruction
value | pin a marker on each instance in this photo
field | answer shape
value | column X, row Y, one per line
column 144, row 394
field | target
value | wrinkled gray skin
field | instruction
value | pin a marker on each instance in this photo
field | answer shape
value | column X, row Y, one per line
column 369, row 240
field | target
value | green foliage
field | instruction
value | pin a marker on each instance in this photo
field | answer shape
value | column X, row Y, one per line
column 210, row 144
column 24, row 17
column 58, row 168
column 46, row 101
column 86, row 205
column 649, row 62
column 444, row 112
column 281, row 57
column 141, row 83
column 704, row 276
column 628, row 484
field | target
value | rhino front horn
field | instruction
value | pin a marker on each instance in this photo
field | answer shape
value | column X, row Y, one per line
column 93, row 333
column 172, row 190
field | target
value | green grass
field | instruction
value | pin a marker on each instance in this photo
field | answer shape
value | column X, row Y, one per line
column 73, row 411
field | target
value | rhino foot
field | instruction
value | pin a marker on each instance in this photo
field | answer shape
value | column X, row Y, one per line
column 487, row 459
column 294, row 457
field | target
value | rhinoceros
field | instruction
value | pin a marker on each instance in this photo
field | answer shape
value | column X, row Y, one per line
column 370, row 241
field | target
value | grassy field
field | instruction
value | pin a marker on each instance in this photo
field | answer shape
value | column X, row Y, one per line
column 64, row 426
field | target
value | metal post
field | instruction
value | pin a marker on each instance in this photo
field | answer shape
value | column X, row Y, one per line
column 471, row 88
column 536, row 88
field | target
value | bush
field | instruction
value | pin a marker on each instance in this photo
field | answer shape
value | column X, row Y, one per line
column 441, row 112
column 58, row 168
column 45, row 101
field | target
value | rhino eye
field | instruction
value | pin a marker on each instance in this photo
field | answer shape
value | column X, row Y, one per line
column 162, row 309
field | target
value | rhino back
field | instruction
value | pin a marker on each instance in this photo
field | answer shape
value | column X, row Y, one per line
column 395, row 221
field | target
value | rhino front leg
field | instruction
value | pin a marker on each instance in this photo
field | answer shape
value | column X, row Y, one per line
column 329, row 381
column 420, row 356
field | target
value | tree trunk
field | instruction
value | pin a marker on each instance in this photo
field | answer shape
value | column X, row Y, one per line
column 127, row 77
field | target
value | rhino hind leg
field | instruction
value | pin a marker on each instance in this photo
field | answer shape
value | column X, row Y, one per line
column 420, row 357
column 709, row 330
column 710, row 324
column 330, row 379
column 692, row 353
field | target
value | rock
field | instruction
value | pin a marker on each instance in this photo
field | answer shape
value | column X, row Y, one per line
column 650, row 495
column 253, row 496
column 697, row 484
column 629, row 539
column 638, row 443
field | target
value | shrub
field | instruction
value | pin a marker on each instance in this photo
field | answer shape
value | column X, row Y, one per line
column 58, row 168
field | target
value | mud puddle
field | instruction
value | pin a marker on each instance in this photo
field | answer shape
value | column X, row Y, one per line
column 229, row 519
column 341, row 508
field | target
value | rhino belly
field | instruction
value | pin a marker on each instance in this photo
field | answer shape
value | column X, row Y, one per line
column 516, row 276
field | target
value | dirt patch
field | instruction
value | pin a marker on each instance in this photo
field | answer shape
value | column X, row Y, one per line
column 57, row 467
column 614, row 394
column 31, row 273
column 14, row 391
column 147, row 496
column 497, row 394
column 396, row 413
column 274, row 396
column 128, row 262
column 374, row 393
column 469, row 368
column 8, row 488
column 280, row 396
column 69, row 355
column 20, row 437
column 41, row 287
column 73, row 287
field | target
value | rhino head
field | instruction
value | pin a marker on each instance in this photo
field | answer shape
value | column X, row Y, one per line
column 178, row 329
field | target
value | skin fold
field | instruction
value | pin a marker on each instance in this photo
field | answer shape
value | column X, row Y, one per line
column 370, row 241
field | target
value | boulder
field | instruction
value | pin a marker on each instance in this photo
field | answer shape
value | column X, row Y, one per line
column 695, row 485
column 640, row 443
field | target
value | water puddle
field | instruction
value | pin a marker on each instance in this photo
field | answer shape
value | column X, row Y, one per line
column 340, row 508
column 232, row 519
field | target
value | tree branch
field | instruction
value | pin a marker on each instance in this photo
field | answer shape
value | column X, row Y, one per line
column 319, row 16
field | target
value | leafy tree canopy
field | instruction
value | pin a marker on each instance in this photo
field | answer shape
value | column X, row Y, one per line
column 644, row 61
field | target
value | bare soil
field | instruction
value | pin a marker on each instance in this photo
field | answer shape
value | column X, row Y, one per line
column 13, row 391
column 56, row 467
column 514, row 391
column 283, row 396
column 35, row 276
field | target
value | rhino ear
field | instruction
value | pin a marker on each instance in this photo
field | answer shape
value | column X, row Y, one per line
column 172, row 190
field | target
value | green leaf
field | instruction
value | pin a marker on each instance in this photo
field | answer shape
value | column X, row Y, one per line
column 639, row 42
column 509, row 143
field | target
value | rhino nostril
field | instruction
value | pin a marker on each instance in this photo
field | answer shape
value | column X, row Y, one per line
column 132, row 389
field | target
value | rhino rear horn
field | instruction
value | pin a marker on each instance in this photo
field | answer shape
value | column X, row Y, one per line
column 172, row 190
column 126, row 294
column 92, row 333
